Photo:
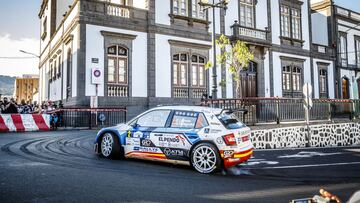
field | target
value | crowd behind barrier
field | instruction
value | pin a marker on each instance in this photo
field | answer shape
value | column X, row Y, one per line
column 10, row 106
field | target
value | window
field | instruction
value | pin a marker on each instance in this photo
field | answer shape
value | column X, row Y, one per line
column 184, row 119
column 197, row 71
column 357, row 50
column 44, row 29
column 323, row 77
column 285, row 21
column 117, row 65
column 155, row 118
column 230, row 121
column 290, row 22
column 54, row 70
column 197, row 11
column 180, row 7
column 295, row 22
column 189, row 75
column 247, row 17
column 121, row 2
column 59, row 67
column 69, row 74
column 343, row 49
column 292, row 80
column 180, row 67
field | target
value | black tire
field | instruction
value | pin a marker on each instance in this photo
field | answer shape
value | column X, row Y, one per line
column 205, row 158
column 110, row 146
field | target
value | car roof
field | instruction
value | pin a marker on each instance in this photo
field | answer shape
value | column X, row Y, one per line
column 191, row 108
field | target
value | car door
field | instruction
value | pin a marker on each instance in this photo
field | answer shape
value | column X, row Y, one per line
column 175, row 140
column 138, row 142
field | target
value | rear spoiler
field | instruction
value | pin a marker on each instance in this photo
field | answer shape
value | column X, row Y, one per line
column 230, row 111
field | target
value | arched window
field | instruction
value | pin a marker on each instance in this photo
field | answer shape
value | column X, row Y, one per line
column 117, row 65
column 180, row 70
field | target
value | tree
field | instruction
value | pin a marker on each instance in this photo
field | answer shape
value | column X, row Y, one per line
column 235, row 56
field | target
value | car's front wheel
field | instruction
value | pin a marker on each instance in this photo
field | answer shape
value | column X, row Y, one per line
column 205, row 158
column 109, row 146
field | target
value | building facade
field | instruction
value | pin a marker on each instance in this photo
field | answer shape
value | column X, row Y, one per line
column 152, row 52
column 339, row 28
column 26, row 88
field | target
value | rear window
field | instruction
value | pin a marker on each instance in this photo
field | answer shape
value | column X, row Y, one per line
column 230, row 121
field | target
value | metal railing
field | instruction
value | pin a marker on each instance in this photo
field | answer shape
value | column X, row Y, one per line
column 91, row 118
column 280, row 110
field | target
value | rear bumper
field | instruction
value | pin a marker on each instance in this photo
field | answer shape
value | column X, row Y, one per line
column 233, row 158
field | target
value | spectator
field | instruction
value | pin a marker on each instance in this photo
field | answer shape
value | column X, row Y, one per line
column 10, row 107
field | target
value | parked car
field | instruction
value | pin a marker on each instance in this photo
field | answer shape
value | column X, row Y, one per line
column 206, row 138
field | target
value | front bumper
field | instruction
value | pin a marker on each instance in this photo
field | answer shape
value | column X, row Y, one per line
column 233, row 158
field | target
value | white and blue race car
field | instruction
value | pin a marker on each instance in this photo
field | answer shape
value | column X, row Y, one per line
column 206, row 138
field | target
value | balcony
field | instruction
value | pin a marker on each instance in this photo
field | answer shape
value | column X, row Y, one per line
column 97, row 10
column 250, row 35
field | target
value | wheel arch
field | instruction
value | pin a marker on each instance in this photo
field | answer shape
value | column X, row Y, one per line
column 203, row 141
column 121, row 139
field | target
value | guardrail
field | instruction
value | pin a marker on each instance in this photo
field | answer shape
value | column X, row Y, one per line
column 91, row 118
column 281, row 110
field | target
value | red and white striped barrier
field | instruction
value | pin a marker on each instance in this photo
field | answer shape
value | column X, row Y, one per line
column 24, row 122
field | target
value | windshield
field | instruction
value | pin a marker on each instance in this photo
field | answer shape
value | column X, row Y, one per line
column 230, row 121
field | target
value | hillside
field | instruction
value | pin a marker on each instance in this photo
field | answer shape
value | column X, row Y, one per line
column 7, row 85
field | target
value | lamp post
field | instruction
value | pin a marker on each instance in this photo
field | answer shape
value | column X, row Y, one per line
column 25, row 52
column 222, row 4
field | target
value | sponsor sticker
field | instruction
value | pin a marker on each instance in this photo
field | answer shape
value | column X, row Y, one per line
column 146, row 143
column 146, row 149
column 173, row 152
column 228, row 154
column 132, row 141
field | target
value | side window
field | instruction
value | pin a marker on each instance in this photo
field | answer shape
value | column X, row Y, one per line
column 156, row 118
column 184, row 119
column 201, row 121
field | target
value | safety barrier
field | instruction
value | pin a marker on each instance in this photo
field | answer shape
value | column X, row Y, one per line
column 24, row 122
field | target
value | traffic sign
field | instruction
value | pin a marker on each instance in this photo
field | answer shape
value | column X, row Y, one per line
column 307, row 90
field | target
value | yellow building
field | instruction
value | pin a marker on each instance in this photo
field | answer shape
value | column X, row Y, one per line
column 26, row 87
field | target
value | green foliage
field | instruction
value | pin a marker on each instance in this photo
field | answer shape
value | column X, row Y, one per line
column 236, row 56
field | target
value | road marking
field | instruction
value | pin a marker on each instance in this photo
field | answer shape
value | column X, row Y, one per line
column 276, row 192
column 313, row 165
column 304, row 154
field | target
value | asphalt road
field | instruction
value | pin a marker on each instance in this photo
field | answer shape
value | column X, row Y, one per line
column 61, row 167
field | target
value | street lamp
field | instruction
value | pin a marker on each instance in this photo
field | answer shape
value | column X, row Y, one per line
column 222, row 4
column 25, row 52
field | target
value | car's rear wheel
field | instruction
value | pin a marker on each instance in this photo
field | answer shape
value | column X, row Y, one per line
column 205, row 158
column 110, row 146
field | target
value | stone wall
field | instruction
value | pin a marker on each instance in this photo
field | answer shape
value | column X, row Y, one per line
column 324, row 135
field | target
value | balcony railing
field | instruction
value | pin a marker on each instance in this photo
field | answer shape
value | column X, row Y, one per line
column 249, row 33
column 181, row 92
column 118, row 10
column 104, row 8
column 117, row 91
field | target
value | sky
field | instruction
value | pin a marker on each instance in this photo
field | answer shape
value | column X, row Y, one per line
column 20, row 28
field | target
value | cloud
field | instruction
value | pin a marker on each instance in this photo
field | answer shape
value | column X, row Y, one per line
column 10, row 47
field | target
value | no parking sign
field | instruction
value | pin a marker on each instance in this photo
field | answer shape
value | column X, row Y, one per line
column 96, row 76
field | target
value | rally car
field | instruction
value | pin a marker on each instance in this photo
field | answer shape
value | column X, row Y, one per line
column 206, row 138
